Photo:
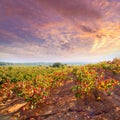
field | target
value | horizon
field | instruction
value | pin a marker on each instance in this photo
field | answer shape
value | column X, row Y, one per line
column 65, row 31
column 44, row 62
column 19, row 61
column 47, row 62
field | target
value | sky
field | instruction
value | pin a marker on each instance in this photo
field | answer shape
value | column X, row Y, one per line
column 59, row 30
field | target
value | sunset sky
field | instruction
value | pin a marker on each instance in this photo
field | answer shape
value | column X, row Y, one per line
column 59, row 30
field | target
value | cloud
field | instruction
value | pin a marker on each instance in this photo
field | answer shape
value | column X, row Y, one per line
column 73, row 8
column 107, row 39
column 87, row 29
column 10, row 39
column 59, row 29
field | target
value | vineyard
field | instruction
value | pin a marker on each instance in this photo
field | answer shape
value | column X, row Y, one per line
column 67, row 92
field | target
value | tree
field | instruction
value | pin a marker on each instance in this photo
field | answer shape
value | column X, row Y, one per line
column 57, row 64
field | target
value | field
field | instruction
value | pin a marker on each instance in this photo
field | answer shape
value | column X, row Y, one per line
column 60, row 93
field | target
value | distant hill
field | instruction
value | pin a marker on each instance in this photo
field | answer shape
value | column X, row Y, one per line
column 5, row 63
column 40, row 63
column 26, row 64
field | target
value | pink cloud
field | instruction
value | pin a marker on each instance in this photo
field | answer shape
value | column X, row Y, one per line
column 81, row 27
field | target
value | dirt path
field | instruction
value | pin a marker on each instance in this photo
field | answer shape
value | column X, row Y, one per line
column 10, row 107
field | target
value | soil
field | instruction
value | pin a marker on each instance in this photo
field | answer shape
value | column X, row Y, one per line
column 62, row 105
